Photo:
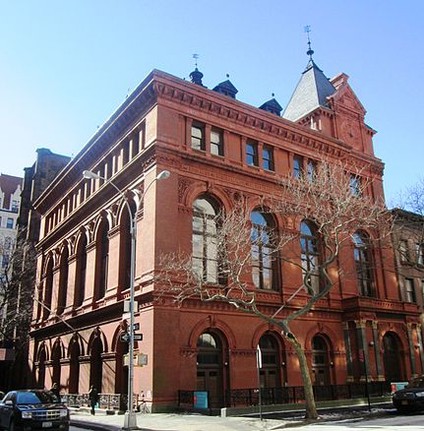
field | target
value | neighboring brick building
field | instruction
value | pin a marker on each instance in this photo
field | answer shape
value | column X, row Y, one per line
column 216, row 148
column 408, row 242
column 26, row 230
column 10, row 201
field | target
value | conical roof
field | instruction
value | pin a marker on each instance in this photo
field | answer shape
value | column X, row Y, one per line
column 311, row 92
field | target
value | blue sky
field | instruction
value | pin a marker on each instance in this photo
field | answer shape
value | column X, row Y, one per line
column 66, row 65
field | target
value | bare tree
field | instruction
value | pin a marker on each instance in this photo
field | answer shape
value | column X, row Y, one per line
column 329, row 200
column 16, row 294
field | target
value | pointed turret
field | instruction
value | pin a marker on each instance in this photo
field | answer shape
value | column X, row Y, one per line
column 311, row 92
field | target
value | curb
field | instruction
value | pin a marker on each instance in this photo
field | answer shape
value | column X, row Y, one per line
column 93, row 425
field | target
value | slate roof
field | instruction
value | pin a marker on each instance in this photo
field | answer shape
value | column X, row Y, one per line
column 226, row 88
column 272, row 106
column 311, row 92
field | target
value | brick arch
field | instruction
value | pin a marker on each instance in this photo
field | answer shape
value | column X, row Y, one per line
column 200, row 189
column 324, row 331
column 104, row 217
column 97, row 333
column 267, row 327
column 211, row 323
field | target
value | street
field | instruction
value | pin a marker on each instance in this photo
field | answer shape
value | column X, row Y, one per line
column 388, row 423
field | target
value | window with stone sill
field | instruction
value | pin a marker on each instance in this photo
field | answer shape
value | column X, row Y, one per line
column 198, row 136
column 217, row 142
column 268, row 158
column 410, row 290
column 419, row 248
column 252, row 158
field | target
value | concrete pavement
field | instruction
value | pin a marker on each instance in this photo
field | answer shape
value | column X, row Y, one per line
column 175, row 422
column 197, row 422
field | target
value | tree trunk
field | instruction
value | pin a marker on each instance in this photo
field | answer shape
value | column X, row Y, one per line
column 310, row 405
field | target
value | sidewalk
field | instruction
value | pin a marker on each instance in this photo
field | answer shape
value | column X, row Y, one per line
column 175, row 422
column 196, row 422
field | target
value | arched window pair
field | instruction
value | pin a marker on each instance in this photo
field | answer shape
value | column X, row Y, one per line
column 310, row 255
column 101, row 265
column 206, row 256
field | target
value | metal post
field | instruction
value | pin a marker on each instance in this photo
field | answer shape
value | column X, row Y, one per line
column 130, row 419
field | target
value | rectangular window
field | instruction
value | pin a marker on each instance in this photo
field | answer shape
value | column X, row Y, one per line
column 403, row 251
column 217, row 142
column 409, row 290
column 355, row 185
column 9, row 223
column 198, row 137
column 252, row 153
column 419, row 247
column 297, row 166
column 311, row 170
column 268, row 158
column 15, row 206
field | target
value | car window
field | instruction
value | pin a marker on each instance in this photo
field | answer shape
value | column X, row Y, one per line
column 35, row 398
column 416, row 383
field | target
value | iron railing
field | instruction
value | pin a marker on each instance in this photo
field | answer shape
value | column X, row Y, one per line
column 288, row 395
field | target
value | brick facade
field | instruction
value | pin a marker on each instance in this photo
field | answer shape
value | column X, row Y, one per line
column 83, row 253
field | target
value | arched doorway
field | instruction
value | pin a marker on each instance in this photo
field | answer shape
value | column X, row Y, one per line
column 74, row 368
column 393, row 365
column 42, row 356
column 96, row 365
column 320, row 362
column 270, row 373
column 210, row 368
column 121, row 374
column 56, row 357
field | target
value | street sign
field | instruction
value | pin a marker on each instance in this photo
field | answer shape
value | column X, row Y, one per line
column 138, row 337
column 125, row 337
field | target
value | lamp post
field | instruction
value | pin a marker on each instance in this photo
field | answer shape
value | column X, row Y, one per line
column 130, row 420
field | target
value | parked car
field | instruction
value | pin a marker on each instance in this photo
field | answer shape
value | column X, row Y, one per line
column 33, row 409
column 411, row 398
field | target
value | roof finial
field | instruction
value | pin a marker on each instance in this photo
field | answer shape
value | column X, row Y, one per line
column 310, row 51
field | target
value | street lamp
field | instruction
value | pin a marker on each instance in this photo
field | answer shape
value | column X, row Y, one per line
column 130, row 420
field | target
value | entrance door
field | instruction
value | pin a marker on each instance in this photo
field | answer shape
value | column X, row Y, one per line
column 209, row 368
column 320, row 362
column 393, row 364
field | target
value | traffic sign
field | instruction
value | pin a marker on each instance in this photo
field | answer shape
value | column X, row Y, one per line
column 136, row 326
column 125, row 337
column 138, row 337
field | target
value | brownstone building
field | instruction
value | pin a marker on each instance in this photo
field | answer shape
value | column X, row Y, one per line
column 215, row 148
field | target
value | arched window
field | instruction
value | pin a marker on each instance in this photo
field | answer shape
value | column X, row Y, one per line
column 262, row 252
column 309, row 246
column 102, row 260
column 48, row 288
column 205, row 241
column 363, row 263
column 63, row 280
column 81, row 269
column 125, row 249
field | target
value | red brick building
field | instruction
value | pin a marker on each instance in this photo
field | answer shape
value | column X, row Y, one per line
column 215, row 147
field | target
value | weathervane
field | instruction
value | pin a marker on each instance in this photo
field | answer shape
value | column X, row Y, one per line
column 310, row 51
column 195, row 56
